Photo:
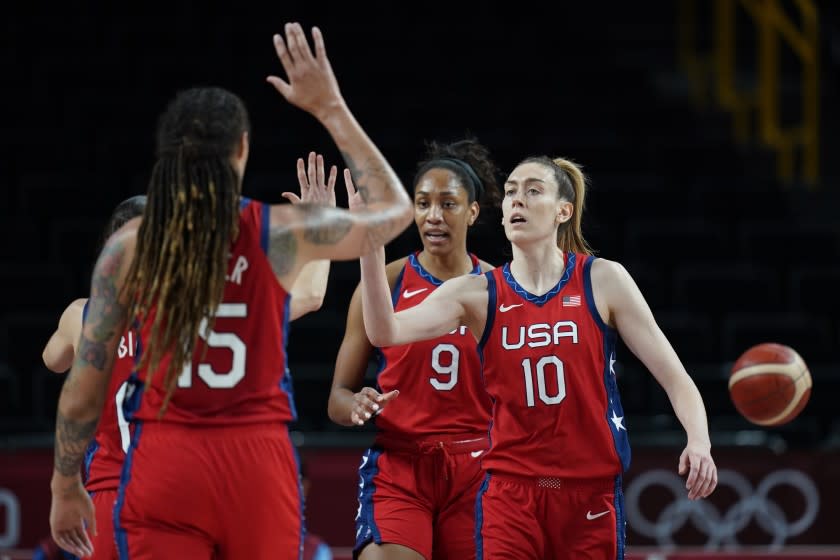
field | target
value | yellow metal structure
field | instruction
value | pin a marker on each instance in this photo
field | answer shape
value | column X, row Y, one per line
column 712, row 74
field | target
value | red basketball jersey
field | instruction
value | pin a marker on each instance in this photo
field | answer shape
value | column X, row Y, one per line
column 548, row 366
column 441, row 391
column 243, row 378
column 105, row 454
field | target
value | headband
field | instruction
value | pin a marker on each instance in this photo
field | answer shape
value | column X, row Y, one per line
column 477, row 185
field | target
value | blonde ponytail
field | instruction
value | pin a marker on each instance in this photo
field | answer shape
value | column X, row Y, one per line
column 570, row 234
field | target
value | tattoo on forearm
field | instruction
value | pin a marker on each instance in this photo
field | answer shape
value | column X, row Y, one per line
column 364, row 192
column 379, row 233
column 324, row 226
column 371, row 178
column 71, row 441
column 282, row 250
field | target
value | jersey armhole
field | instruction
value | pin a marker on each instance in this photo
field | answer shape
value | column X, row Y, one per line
column 491, row 308
column 395, row 293
column 259, row 214
column 590, row 296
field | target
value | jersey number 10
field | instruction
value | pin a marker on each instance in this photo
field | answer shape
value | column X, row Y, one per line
column 540, row 368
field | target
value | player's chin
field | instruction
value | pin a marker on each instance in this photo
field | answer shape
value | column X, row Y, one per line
column 518, row 236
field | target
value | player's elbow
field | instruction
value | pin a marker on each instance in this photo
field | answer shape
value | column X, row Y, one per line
column 54, row 362
column 48, row 361
column 382, row 223
column 79, row 406
column 310, row 303
column 381, row 337
column 314, row 302
column 406, row 216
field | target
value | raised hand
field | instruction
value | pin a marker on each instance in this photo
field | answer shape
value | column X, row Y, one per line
column 311, row 83
column 311, row 177
column 368, row 403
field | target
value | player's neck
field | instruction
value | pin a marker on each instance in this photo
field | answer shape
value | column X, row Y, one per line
column 446, row 266
column 537, row 269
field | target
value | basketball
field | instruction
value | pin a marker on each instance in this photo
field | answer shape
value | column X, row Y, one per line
column 770, row 384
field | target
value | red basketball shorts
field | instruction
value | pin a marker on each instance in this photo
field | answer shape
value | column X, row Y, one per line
column 203, row 493
column 549, row 518
column 104, row 546
column 421, row 495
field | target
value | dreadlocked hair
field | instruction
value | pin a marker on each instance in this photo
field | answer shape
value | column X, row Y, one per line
column 177, row 277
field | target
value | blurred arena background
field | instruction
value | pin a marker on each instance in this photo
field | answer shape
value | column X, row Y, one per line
column 710, row 133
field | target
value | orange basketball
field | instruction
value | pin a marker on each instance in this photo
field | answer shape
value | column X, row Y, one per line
column 770, row 384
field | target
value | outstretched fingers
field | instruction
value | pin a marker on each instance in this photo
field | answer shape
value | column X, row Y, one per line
column 348, row 184
column 279, row 83
column 354, row 199
column 313, row 172
column 320, row 47
column 298, row 44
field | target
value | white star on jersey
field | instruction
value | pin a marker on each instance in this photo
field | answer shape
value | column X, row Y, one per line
column 612, row 363
column 617, row 420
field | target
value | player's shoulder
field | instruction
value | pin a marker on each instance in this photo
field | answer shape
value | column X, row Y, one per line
column 393, row 270
column 485, row 266
column 605, row 271
column 467, row 282
column 125, row 238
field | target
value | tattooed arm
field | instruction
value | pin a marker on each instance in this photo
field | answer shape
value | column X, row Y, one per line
column 301, row 233
column 83, row 394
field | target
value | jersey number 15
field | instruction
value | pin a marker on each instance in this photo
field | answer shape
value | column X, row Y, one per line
column 220, row 379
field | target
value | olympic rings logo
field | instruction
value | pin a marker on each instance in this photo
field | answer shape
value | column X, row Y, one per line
column 722, row 528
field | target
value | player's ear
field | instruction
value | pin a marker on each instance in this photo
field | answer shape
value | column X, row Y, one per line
column 474, row 211
column 565, row 209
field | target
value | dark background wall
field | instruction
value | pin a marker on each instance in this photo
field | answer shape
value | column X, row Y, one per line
column 726, row 254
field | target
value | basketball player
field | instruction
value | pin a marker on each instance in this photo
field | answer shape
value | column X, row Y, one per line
column 547, row 324
column 420, row 479
column 104, row 458
column 211, row 471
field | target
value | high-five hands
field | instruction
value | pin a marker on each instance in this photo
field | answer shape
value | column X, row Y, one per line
column 313, row 188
